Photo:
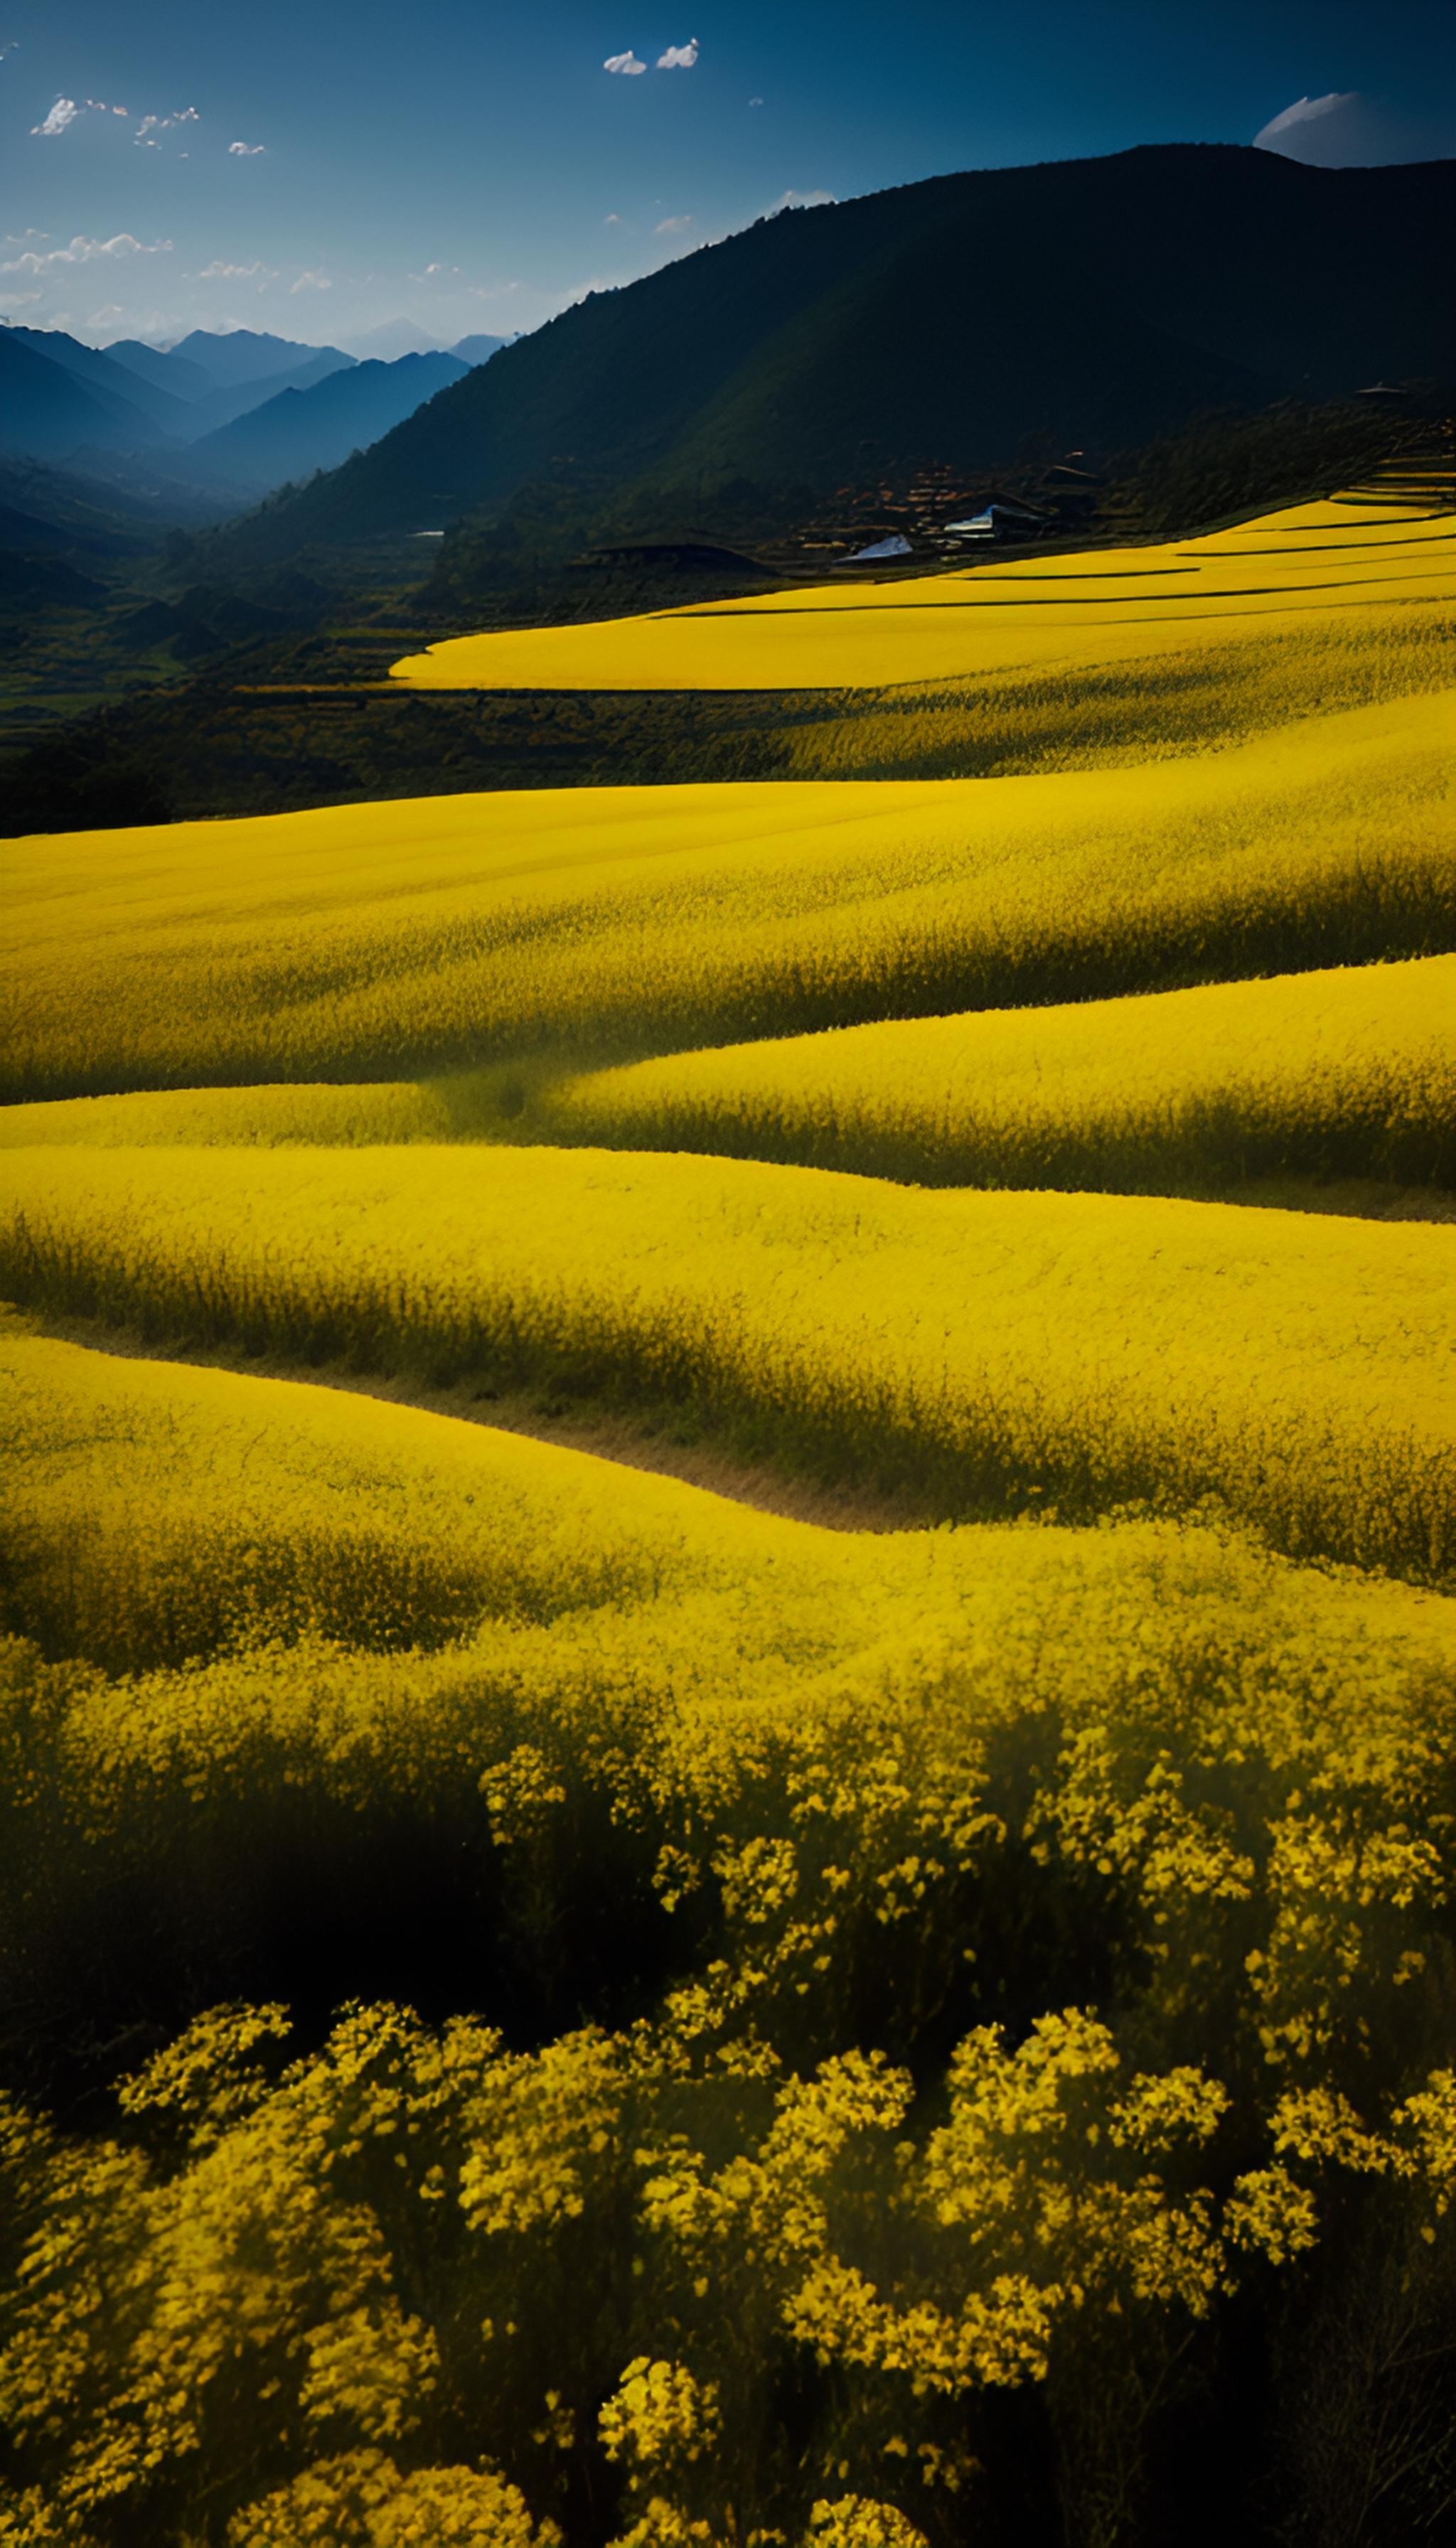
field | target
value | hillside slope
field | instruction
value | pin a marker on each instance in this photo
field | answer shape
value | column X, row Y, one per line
column 806, row 2027
column 1097, row 302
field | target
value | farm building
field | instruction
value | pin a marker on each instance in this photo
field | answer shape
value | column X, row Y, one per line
column 1004, row 517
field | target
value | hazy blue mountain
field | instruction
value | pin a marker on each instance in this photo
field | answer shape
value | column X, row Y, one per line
column 219, row 406
column 394, row 338
column 479, row 349
column 186, row 379
column 49, row 407
column 302, row 430
column 110, row 379
column 1087, row 304
column 240, row 356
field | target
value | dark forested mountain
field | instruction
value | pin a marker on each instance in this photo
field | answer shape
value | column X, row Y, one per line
column 1091, row 303
column 302, row 430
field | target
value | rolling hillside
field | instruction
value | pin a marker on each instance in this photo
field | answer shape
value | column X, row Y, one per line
column 887, row 1984
column 1096, row 302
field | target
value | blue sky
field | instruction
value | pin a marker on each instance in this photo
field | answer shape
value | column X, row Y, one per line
column 316, row 170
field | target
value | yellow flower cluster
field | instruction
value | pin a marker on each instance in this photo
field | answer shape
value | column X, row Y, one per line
column 849, row 1760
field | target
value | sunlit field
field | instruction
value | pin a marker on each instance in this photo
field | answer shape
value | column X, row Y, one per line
column 983, row 1350
column 905, row 2000
column 1341, row 558
column 383, row 940
column 1302, row 1077
column 1183, row 1091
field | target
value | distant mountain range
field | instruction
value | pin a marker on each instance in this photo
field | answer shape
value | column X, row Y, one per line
column 59, row 398
column 311, row 427
column 1088, row 303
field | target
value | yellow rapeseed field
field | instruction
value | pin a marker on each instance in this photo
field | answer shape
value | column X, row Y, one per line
column 279, row 1509
column 1093, row 714
column 1352, row 1070
column 1317, row 561
column 1313, row 1075
column 538, row 2002
column 383, row 940
column 980, row 1352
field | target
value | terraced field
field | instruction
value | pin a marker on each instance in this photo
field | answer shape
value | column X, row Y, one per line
column 1356, row 553
column 541, row 2002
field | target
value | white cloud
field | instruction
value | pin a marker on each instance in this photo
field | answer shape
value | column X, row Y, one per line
column 755, row 100
column 153, row 123
column 62, row 113
column 10, row 302
column 246, row 149
column 81, row 253
column 615, row 222
column 1304, row 110
column 1347, row 130
column 791, row 201
column 312, row 281
column 676, row 222
column 219, row 272
column 626, row 63
column 679, row 57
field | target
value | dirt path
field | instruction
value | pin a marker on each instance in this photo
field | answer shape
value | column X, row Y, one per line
column 605, row 1433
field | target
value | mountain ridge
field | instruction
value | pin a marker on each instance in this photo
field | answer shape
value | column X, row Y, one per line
column 1101, row 299
column 313, row 426
column 50, row 408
